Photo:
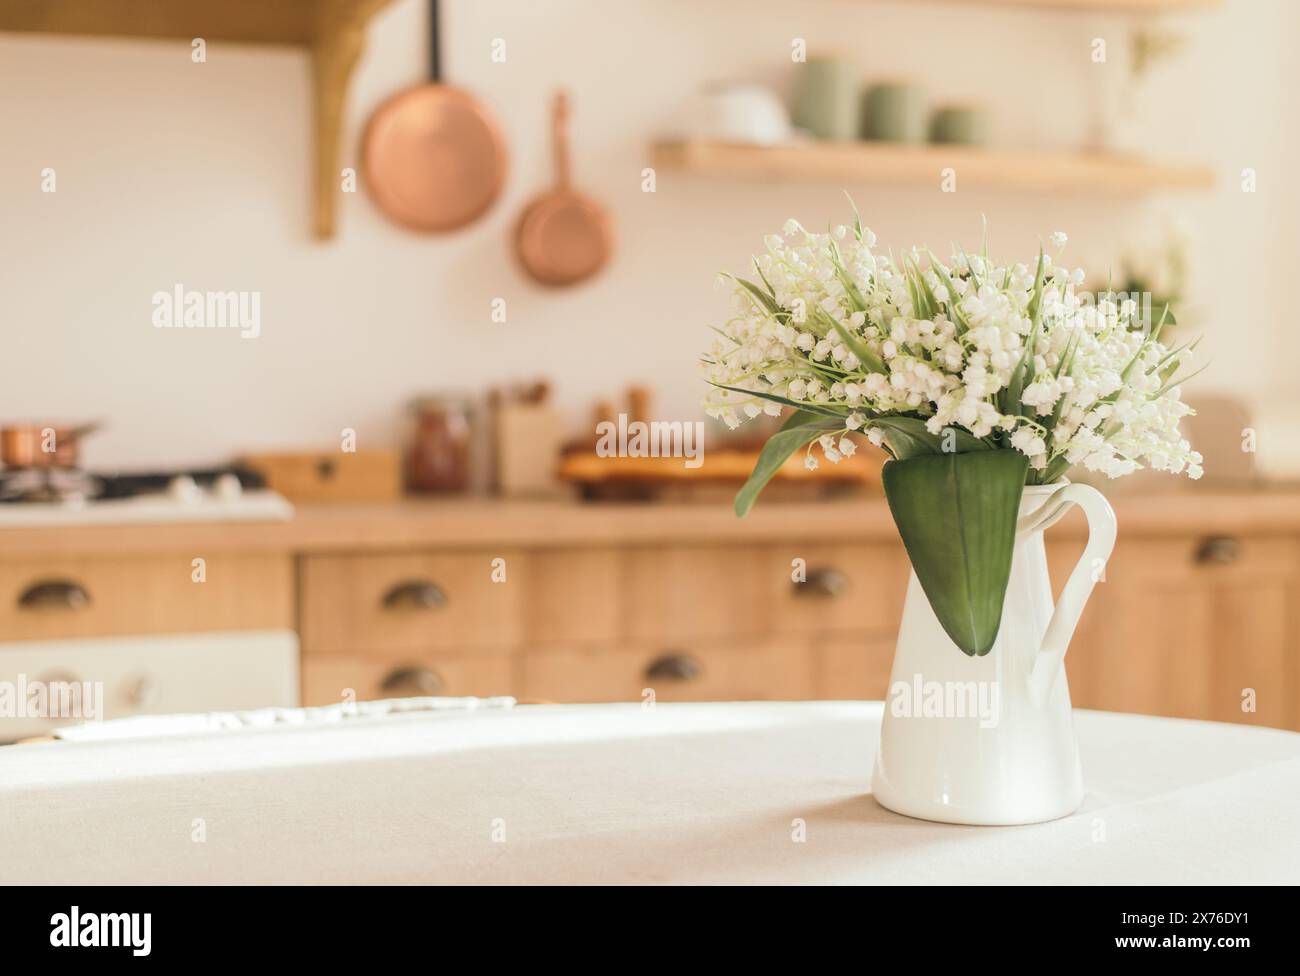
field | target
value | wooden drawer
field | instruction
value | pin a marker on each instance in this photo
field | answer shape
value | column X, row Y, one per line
column 326, row 679
column 410, row 602
column 1207, row 558
column 1252, row 677
column 574, row 595
column 830, row 588
column 680, row 592
column 101, row 597
column 1193, row 627
column 698, row 672
column 854, row 668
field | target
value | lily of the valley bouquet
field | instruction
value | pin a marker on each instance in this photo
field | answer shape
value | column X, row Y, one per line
column 976, row 377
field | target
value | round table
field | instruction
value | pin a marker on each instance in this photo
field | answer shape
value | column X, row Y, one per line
column 699, row 793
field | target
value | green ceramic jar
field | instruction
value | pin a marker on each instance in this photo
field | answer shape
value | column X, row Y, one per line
column 894, row 112
column 825, row 94
column 964, row 125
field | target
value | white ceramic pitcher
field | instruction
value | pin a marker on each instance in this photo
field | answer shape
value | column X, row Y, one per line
column 990, row 740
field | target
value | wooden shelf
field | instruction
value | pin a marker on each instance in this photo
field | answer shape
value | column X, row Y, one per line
column 331, row 31
column 1101, row 6
column 923, row 166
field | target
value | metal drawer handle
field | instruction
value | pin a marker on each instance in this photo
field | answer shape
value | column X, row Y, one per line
column 412, row 680
column 1218, row 550
column 62, row 594
column 141, row 692
column 674, row 667
column 58, row 676
column 822, row 582
column 415, row 595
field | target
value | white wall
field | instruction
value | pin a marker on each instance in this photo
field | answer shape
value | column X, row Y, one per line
column 174, row 172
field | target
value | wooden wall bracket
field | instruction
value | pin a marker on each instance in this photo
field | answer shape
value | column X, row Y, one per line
column 333, row 32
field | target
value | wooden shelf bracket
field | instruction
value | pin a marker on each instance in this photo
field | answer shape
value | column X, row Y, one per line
column 333, row 32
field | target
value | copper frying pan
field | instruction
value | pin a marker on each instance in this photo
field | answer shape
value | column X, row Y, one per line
column 563, row 237
column 41, row 445
column 434, row 158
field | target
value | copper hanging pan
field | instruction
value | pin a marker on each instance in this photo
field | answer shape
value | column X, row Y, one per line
column 433, row 156
column 563, row 237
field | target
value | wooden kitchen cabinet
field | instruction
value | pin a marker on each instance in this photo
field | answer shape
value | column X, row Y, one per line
column 688, row 591
column 700, row 671
column 853, row 668
column 409, row 601
column 574, row 594
column 839, row 588
column 1201, row 600
column 1191, row 627
column 105, row 596
column 328, row 679
column 675, row 619
column 1180, row 626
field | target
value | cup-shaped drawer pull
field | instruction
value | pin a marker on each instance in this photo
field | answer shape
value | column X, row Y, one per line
column 412, row 680
column 822, row 581
column 415, row 594
column 141, row 691
column 58, row 676
column 1218, row 550
column 54, row 594
column 674, row 667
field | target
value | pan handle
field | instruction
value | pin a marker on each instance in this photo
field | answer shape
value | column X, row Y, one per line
column 435, row 49
column 79, row 432
column 560, row 134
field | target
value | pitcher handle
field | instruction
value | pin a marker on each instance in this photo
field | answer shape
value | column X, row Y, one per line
column 1101, row 541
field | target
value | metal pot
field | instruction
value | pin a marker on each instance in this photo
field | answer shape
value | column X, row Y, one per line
column 41, row 445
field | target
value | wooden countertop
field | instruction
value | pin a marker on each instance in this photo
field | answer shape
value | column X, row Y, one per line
column 477, row 522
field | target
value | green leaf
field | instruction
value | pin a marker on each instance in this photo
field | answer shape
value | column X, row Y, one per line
column 1015, row 388
column 857, row 219
column 784, row 401
column 1169, row 385
column 908, row 436
column 866, row 357
column 1055, row 471
column 974, row 277
column 766, row 301
column 802, row 418
column 953, row 303
column 905, row 440
column 775, row 453
column 926, row 292
column 1024, row 371
column 758, row 269
column 923, row 300
column 957, row 516
column 850, row 286
column 1036, row 298
column 917, row 311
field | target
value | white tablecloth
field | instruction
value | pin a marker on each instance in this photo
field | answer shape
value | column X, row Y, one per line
column 618, row 793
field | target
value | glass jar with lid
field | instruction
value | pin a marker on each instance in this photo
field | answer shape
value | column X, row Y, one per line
column 439, row 458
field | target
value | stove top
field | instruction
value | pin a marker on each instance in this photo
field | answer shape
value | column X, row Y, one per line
column 60, row 496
